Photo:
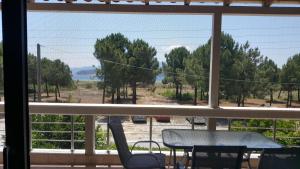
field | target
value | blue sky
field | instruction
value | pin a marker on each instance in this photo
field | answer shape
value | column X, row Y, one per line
column 71, row 36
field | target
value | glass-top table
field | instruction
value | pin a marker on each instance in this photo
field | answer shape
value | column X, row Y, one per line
column 186, row 139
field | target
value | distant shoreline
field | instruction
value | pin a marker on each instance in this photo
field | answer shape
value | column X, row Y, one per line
column 92, row 77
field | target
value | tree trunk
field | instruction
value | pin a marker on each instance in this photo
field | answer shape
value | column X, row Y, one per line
column 288, row 98
column 57, row 87
column 195, row 95
column 56, row 95
column 34, row 93
column 243, row 100
column 180, row 93
column 201, row 94
column 206, row 97
column 177, row 91
column 279, row 93
column 118, row 95
column 219, row 99
column 104, row 93
column 47, row 91
column 126, row 92
column 238, row 100
column 271, row 97
column 291, row 97
column 298, row 93
column 113, row 96
column 134, row 93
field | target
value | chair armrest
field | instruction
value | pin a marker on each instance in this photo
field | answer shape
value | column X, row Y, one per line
column 145, row 141
column 179, row 165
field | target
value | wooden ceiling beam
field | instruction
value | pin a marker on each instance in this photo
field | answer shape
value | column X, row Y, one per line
column 267, row 3
column 227, row 2
column 187, row 2
column 161, row 9
column 146, row 2
column 69, row 1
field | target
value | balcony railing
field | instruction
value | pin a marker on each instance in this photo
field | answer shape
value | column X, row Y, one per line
column 91, row 156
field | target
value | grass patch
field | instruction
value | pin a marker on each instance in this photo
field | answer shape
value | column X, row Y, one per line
column 170, row 94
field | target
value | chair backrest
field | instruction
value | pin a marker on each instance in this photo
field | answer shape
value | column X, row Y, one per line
column 217, row 157
column 116, row 128
column 281, row 158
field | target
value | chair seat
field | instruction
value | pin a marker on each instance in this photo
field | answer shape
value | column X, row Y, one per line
column 146, row 161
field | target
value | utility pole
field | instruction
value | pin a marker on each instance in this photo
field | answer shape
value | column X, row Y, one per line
column 38, row 72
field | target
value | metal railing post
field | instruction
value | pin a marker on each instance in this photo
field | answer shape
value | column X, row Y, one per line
column 229, row 124
column 274, row 129
column 72, row 134
column 107, row 135
column 90, row 136
column 150, row 134
column 193, row 123
column 30, row 132
column 108, row 138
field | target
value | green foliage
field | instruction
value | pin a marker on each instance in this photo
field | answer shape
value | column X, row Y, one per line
column 89, row 86
column 144, row 66
column 60, row 74
column 143, row 63
column 54, row 132
column 195, row 69
column 170, row 94
column 289, row 76
column 289, row 73
column 101, row 139
column 111, row 52
column 174, row 68
column 50, row 130
column 268, row 75
column 238, row 67
column 287, row 131
column 32, row 77
column 54, row 73
column 123, row 62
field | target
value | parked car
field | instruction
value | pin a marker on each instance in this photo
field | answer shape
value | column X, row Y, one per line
column 197, row 120
column 139, row 119
column 165, row 119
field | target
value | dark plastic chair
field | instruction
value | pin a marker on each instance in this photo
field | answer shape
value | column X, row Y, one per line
column 282, row 158
column 217, row 157
column 134, row 161
column 188, row 158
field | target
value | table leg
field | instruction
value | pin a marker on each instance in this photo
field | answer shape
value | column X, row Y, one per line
column 247, row 158
column 170, row 159
column 174, row 158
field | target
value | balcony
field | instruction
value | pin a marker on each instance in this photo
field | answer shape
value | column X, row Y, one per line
column 81, row 144
column 94, row 116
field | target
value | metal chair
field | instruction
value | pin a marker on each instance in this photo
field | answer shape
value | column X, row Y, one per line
column 246, row 158
column 281, row 158
column 134, row 161
column 216, row 157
